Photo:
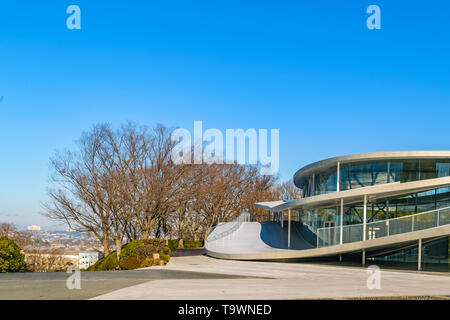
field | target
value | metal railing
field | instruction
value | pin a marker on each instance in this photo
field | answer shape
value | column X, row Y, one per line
column 355, row 232
column 233, row 225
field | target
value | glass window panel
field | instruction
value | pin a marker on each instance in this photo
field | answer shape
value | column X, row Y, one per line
column 325, row 182
column 360, row 176
column 410, row 171
column 344, row 177
column 379, row 173
column 442, row 169
column 427, row 169
column 395, row 171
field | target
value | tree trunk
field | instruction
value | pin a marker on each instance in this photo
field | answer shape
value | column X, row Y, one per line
column 118, row 247
column 105, row 245
column 206, row 234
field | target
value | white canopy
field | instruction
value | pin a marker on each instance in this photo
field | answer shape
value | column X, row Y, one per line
column 269, row 205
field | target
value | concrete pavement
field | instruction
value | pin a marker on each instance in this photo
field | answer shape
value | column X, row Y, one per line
column 284, row 281
column 52, row 285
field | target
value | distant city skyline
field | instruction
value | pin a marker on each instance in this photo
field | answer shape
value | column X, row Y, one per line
column 312, row 70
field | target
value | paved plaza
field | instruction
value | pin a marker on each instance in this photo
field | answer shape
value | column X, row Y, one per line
column 282, row 281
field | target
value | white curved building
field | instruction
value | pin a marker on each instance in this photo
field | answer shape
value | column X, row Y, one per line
column 383, row 205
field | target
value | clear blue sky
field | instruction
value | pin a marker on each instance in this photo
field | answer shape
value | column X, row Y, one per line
column 312, row 70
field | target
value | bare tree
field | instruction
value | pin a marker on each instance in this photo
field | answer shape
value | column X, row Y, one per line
column 164, row 186
column 47, row 260
column 288, row 191
column 224, row 192
column 123, row 184
column 81, row 200
column 22, row 238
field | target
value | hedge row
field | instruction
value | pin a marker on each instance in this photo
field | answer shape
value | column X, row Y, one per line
column 136, row 254
column 187, row 244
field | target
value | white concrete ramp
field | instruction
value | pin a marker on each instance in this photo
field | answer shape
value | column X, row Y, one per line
column 246, row 238
column 273, row 235
column 243, row 238
column 268, row 241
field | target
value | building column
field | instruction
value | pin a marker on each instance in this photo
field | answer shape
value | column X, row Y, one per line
column 282, row 216
column 342, row 222
column 289, row 227
column 338, row 176
column 365, row 217
column 419, row 254
column 363, row 257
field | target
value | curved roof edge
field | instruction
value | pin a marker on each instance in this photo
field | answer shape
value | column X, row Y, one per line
column 326, row 163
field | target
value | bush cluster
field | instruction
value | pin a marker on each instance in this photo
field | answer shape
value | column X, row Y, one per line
column 109, row 262
column 11, row 257
column 164, row 257
column 173, row 244
column 145, row 251
column 159, row 243
column 136, row 254
column 130, row 263
column 128, row 249
column 148, row 262
column 193, row 244
column 166, row 250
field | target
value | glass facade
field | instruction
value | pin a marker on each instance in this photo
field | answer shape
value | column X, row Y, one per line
column 399, row 206
column 434, row 252
column 320, row 226
column 363, row 174
column 377, row 210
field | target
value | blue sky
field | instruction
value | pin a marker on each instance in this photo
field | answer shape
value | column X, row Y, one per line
column 311, row 69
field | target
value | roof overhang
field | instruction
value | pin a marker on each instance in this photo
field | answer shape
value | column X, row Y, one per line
column 356, row 195
column 306, row 171
column 269, row 205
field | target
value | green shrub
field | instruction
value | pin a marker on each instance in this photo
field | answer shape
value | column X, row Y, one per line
column 158, row 243
column 148, row 262
column 107, row 263
column 111, row 262
column 11, row 257
column 93, row 267
column 129, row 263
column 164, row 257
column 129, row 248
column 137, row 253
column 173, row 244
column 192, row 244
column 145, row 251
column 165, row 250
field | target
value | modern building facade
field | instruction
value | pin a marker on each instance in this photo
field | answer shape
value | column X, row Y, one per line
column 408, row 183
column 348, row 201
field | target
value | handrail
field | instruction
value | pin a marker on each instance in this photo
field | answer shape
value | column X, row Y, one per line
column 385, row 227
column 234, row 228
column 408, row 216
column 238, row 222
